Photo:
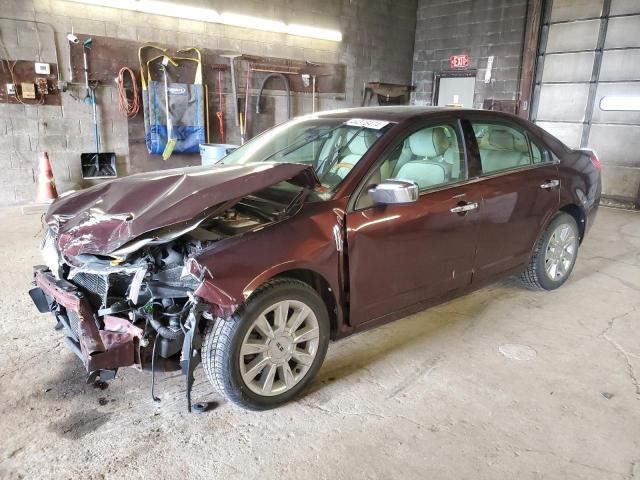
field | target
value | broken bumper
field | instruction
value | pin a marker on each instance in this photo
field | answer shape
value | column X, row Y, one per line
column 115, row 344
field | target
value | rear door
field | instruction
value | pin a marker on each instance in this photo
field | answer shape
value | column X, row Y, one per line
column 400, row 255
column 520, row 189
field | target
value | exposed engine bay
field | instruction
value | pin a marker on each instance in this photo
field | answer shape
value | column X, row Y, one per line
column 145, row 270
column 136, row 306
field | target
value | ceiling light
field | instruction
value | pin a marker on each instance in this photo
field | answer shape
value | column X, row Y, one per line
column 171, row 9
column 314, row 32
column 253, row 22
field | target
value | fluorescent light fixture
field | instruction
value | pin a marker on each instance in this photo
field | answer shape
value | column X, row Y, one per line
column 314, row 32
column 158, row 7
column 620, row 103
column 253, row 22
column 177, row 10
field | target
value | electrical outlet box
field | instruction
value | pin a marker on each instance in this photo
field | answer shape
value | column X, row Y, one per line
column 28, row 90
column 11, row 89
column 43, row 68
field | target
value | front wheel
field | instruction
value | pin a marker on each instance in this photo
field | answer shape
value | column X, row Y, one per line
column 555, row 254
column 269, row 351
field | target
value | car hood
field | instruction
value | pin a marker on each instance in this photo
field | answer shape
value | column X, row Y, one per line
column 103, row 218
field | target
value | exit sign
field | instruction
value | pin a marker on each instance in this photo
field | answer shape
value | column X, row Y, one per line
column 459, row 61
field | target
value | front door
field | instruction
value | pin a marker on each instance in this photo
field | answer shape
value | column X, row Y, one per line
column 519, row 185
column 400, row 255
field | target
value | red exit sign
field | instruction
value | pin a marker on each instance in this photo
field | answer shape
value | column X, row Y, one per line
column 459, row 61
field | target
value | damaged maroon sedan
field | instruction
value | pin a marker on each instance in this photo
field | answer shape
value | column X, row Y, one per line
column 321, row 227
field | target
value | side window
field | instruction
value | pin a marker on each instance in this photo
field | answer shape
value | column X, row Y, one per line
column 539, row 155
column 431, row 157
column 501, row 147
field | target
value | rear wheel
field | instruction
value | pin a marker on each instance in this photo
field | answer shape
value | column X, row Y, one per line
column 555, row 254
column 270, row 350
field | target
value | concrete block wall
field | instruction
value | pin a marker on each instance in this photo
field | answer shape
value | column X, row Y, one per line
column 479, row 28
column 378, row 39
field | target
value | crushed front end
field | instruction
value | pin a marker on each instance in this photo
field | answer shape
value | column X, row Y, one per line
column 138, row 306
column 138, row 311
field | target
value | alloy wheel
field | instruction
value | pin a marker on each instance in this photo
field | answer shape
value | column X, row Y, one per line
column 279, row 348
column 561, row 252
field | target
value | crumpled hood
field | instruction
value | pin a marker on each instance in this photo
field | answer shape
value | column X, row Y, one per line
column 102, row 218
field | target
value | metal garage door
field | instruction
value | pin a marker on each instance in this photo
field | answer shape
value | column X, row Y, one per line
column 587, row 88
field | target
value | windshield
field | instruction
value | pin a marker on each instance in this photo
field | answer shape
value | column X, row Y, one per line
column 332, row 146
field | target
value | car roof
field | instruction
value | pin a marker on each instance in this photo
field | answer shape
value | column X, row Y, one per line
column 399, row 113
column 408, row 113
column 395, row 113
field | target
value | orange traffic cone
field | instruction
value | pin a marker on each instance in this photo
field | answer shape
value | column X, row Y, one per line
column 46, row 192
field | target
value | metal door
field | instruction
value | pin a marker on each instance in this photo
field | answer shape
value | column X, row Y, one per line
column 458, row 90
column 587, row 88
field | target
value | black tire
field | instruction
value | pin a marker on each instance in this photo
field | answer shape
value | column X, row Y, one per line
column 535, row 276
column 223, row 340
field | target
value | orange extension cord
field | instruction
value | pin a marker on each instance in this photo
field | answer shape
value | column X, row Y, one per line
column 128, row 108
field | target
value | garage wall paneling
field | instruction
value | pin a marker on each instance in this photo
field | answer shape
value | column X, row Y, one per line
column 589, row 50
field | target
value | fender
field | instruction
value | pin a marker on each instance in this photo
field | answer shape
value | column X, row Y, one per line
column 280, row 269
column 234, row 268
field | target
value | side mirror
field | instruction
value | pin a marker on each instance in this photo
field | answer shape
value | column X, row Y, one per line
column 395, row 192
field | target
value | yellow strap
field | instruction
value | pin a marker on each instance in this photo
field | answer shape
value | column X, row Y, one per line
column 198, row 77
column 148, row 45
column 171, row 61
column 189, row 49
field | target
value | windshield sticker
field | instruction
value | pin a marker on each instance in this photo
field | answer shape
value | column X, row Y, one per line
column 365, row 123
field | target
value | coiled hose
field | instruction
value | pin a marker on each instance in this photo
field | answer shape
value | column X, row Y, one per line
column 128, row 108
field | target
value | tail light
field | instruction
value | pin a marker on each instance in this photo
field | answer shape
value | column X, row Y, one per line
column 596, row 161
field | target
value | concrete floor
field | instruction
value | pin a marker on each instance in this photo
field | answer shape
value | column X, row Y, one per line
column 503, row 383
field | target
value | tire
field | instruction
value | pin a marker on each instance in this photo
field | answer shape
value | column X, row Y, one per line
column 537, row 275
column 225, row 360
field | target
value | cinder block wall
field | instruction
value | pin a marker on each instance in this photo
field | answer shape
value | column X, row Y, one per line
column 378, row 38
column 479, row 28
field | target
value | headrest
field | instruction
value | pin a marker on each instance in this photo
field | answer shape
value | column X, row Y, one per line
column 501, row 140
column 421, row 143
column 441, row 142
column 361, row 143
column 429, row 142
column 521, row 144
column 423, row 173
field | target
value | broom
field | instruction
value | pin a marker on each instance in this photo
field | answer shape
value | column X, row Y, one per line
column 171, row 141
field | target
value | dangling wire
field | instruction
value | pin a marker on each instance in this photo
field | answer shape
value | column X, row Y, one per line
column 153, row 369
column 128, row 108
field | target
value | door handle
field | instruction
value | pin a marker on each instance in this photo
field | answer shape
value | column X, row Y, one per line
column 550, row 184
column 464, row 208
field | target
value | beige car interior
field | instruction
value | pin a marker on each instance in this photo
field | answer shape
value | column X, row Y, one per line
column 356, row 147
column 433, row 156
column 429, row 157
column 501, row 148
